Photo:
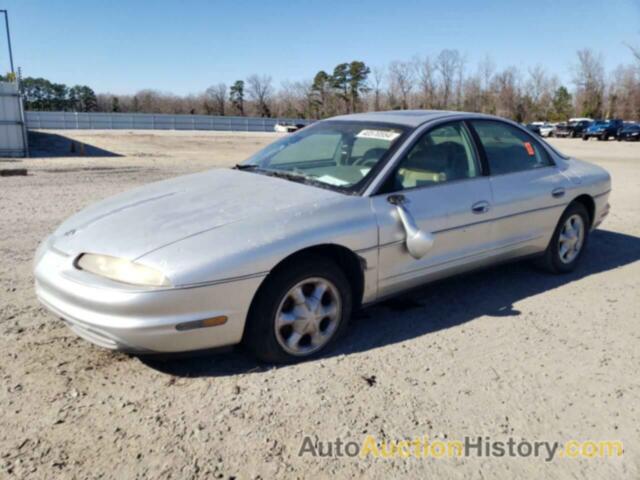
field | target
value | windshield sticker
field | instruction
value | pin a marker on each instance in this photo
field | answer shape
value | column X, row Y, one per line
column 388, row 135
column 529, row 149
column 332, row 180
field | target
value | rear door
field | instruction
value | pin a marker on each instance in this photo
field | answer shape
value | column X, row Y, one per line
column 443, row 189
column 528, row 189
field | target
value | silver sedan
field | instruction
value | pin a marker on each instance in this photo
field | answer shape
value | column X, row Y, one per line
column 277, row 252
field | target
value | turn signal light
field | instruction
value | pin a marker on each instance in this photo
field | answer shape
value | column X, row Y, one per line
column 208, row 322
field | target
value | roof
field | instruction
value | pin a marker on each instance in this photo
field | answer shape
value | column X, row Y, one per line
column 410, row 118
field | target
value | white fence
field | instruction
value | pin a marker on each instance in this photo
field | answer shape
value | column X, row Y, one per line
column 146, row 121
column 13, row 136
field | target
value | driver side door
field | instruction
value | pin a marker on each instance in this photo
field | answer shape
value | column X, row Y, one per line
column 442, row 186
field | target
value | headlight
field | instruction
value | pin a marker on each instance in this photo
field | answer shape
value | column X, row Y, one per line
column 121, row 270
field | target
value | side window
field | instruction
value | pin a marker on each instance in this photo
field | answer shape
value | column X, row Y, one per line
column 509, row 149
column 443, row 154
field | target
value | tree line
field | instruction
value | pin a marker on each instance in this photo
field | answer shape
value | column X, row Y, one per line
column 42, row 94
column 442, row 81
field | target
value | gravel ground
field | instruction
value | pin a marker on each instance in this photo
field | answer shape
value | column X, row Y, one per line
column 507, row 352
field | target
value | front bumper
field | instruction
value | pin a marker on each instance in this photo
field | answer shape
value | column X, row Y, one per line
column 141, row 320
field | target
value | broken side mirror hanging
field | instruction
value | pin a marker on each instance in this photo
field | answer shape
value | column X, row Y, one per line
column 417, row 242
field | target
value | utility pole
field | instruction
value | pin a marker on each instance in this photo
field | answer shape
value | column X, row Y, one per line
column 6, row 24
column 16, row 79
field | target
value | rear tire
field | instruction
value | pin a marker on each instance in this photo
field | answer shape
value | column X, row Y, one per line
column 287, row 321
column 564, row 251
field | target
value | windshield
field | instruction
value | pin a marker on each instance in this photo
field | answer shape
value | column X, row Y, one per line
column 335, row 154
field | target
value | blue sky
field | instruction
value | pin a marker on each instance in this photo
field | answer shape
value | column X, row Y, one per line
column 123, row 46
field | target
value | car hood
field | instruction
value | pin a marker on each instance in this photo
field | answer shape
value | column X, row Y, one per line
column 145, row 219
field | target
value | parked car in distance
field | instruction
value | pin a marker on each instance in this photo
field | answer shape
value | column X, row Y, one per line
column 278, row 251
column 572, row 129
column 546, row 129
column 603, row 129
column 543, row 129
column 533, row 128
column 287, row 127
column 630, row 132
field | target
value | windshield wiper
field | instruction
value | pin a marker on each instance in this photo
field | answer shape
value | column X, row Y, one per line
column 287, row 175
column 245, row 166
column 296, row 177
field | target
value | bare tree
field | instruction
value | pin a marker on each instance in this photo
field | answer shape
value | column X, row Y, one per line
column 216, row 98
column 508, row 95
column 540, row 89
column 448, row 63
column 260, row 90
column 401, row 78
column 635, row 51
column 426, row 71
column 378, row 78
column 486, row 72
column 589, row 81
column 472, row 94
column 624, row 93
column 294, row 99
column 460, row 81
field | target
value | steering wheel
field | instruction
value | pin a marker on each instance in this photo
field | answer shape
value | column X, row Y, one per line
column 370, row 157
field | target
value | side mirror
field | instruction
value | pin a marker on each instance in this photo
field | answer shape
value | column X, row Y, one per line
column 417, row 242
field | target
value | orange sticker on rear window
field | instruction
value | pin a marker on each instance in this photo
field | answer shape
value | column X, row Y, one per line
column 529, row 149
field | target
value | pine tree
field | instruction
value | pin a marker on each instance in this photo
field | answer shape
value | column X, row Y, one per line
column 236, row 95
column 358, row 73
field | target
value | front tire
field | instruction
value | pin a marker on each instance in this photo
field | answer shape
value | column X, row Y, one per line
column 569, row 240
column 299, row 312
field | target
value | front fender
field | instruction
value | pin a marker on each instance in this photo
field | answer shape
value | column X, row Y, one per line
column 254, row 246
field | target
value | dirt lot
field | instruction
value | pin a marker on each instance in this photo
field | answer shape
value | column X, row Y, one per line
column 509, row 352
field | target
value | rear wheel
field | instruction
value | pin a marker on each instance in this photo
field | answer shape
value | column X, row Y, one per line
column 568, row 241
column 299, row 312
column 585, row 138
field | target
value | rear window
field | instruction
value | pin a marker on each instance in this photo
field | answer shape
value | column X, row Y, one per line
column 509, row 149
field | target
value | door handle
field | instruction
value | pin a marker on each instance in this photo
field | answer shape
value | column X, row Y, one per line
column 480, row 207
column 558, row 192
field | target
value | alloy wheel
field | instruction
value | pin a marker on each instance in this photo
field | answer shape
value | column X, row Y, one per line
column 308, row 316
column 571, row 238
